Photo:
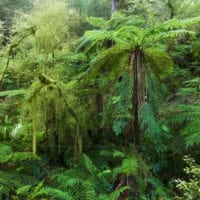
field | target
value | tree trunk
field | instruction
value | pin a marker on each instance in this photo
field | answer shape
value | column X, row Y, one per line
column 138, row 74
column 114, row 5
column 171, row 9
column 34, row 133
column 4, row 73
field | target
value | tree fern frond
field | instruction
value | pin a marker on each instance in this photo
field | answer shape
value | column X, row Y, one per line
column 100, row 61
column 116, row 194
column 54, row 194
column 91, row 39
column 184, row 92
column 160, row 62
column 11, row 93
column 183, row 112
column 180, row 24
column 129, row 167
column 109, row 53
column 98, row 22
column 19, row 157
column 169, row 35
column 191, row 133
column 99, row 35
column 5, row 150
column 129, row 35
column 89, row 190
column 89, row 165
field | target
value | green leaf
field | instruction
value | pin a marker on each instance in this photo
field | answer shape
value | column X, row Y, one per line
column 23, row 189
column 11, row 93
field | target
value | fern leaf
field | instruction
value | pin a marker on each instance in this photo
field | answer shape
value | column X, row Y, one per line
column 11, row 93
column 97, row 22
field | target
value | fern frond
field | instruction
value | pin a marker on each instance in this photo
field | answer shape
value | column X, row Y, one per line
column 160, row 190
column 101, row 61
column 116, row 194
column 180, row 24
column 129, row 35
column 183, row 112
column 11, row 93
column 98, row 22
column 54, row 194
column 19, row 157
column 5, row 150
column 169, row 35
column 89, row 165
column 159, row 61
column 191, row 133
column 129, row 167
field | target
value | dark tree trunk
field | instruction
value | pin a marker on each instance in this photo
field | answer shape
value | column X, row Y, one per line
column 99, row 102
column 114, row 5
column 171, row 8
column 137, row 71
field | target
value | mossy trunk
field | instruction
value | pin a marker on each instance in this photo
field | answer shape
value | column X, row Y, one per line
column 4, row 73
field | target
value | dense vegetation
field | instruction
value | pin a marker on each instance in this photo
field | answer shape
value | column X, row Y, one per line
column 99, row 100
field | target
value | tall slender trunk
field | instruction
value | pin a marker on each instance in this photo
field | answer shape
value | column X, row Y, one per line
column 171, row 9
column 4, row 73
column 114, row 5
column 138, row 74
column 34, row 132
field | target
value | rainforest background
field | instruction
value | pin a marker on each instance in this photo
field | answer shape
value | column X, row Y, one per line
column 99, row 100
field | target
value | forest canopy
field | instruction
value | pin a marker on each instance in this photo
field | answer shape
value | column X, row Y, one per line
column 99, row 100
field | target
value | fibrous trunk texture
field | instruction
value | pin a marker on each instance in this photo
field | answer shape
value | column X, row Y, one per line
column 138, row 74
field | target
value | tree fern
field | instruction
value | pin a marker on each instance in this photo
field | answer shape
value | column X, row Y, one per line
column 189, row 114
column 186, row 112
column 133, row 46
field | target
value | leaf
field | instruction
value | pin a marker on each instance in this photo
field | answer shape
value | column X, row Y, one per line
column 117, row 153
column 23, row 189
column 11, row 93
column 97, row 22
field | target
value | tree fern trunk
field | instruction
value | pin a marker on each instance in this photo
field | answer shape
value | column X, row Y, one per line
column 138, row 74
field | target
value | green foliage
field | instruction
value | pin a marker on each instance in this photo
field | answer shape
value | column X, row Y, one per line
column 118, row 105
column 85, row 181
column 13, row 184
column 187, row 111
column 129, row 167
column 48, row 36
column 5, row 150
column 190, row 187
column 23, row 189
column 95, row 8
column 8, row 156
column 159, row 190
column 19, row 157
column 70, row 100
column 97, row 22
column 11, row 93
column 158, row 60
column 156, row 135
